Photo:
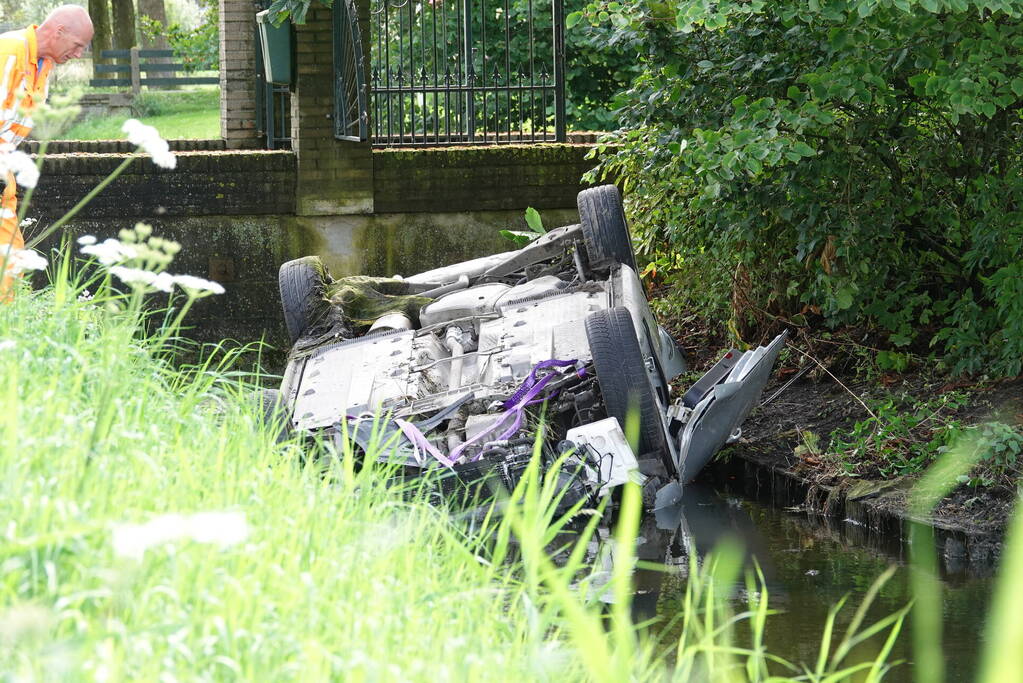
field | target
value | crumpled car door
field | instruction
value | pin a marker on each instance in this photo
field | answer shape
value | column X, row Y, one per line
column 728, row 393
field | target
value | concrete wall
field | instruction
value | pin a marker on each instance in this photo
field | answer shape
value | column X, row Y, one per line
column 498, row 178
column 235, row 214
column 255, row 182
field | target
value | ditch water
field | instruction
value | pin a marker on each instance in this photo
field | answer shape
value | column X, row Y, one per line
column 809, row 563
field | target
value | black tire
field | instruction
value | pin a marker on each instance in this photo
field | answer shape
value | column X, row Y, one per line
column 303, row 294
column 605, row 231
column 274, row 413
column 622, row 376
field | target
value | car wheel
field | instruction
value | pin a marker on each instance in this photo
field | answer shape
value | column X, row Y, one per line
column 274, row 413
column 605, row 232
column 622, row 376
column 303, row 294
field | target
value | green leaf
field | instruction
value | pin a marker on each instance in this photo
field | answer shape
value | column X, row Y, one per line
column 844, row 298
column 704, row 64
column 930, row 5
column 518, row 237
column 533, row 221
column 682, row 21
column 573, row 19
column 1017, row 86
column 803, row 149
column 899, row 340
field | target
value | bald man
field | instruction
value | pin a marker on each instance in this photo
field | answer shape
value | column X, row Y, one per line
column 27, row 56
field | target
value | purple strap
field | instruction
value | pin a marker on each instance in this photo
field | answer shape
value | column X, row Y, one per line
column 524, row 396
column 516, row 411
column 531, row 380
column 419, row 441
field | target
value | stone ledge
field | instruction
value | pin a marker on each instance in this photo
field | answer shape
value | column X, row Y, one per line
column 116, row 146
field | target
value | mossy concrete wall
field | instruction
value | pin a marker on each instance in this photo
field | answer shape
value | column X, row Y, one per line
column 244, row 252
column 234, row 212
column 497, row 178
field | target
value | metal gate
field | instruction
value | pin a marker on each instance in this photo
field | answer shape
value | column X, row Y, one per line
column 446, row 72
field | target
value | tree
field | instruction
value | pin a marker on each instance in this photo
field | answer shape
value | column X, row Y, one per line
column 124, row 24
column 99, row 11
column 153, row 11
column 196, row 47
column 854, row 162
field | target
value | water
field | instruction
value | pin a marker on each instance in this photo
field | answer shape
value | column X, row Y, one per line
column 809, row 564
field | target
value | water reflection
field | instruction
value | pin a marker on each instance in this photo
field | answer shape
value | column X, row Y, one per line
column 809, row 563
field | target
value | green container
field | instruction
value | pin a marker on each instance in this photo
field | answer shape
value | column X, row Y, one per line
column 275, row 41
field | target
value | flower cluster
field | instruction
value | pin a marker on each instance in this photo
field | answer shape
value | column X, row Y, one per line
column 21, row 260
column 149, row 140
column 216, row 528
column 109, row 251
column 138, row 259
column 25, row 171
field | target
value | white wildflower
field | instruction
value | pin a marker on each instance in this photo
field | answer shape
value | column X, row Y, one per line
column 7, row 344
column 24, row 621
column 163, row 282
column 86, row 295
column 86, row 240
column 110, row 251
column 21, row 165
column 143, row 279
column 149, row 140
column 133, row 276
column 21, row 260
column 27, row 223
column 197, row 286
column 216, row 528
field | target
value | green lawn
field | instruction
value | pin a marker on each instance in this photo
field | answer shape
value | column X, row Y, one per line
column 186, row 114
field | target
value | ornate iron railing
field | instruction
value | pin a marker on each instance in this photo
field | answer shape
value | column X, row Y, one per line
column 448, row 72
column 350, row 116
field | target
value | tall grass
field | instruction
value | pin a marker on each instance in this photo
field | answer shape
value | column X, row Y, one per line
column 154, row 529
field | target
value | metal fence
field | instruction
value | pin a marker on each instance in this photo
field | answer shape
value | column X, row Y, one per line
column 448, row 72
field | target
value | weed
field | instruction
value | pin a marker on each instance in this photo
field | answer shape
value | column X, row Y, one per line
column 901, row 436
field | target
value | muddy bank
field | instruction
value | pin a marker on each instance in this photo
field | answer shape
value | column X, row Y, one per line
column 787, row 456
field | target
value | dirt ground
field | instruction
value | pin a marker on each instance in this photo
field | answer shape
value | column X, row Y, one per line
column 793, row 429
column 775, row 434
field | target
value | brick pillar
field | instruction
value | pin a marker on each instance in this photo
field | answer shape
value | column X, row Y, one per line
column 334, row 177
column 238, row 74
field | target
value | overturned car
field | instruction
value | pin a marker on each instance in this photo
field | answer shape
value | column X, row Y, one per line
column 463, row 368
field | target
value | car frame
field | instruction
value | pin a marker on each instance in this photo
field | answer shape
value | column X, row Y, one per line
column 463, row 369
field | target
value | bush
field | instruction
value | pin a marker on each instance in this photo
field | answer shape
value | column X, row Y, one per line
column 851, row 162
column 198, row 48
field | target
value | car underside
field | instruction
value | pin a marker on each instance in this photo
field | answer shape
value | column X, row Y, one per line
column 471, row 368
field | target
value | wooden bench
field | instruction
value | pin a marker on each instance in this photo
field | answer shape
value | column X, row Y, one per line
column 136, row 73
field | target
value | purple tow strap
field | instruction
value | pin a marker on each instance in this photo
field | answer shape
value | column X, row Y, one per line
column 531, row 380
column 524, row 396
column 419, row 441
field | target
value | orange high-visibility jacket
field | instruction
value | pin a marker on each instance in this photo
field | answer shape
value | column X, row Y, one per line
column 23, row 84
